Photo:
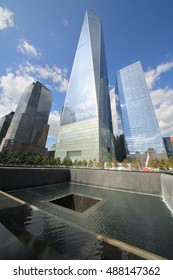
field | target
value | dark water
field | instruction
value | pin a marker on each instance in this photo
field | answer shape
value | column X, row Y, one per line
column 141, row 220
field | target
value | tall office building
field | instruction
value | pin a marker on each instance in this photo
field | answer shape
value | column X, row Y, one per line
column 168, row 146
column 4, row 125
column 29, row 128
column 85, row 127
column 140, row 126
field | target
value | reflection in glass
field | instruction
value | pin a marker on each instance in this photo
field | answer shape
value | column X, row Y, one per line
column 28, row 129
column 4, row 125
column 139, row 121
column 86, row 118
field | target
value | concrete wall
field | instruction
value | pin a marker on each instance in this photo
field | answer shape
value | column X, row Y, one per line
column 132, row 181
column 15, row 178
column 12, row 178
column 167, row 190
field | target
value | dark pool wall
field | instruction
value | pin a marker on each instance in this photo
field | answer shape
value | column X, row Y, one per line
column 124, row 180
column 16, row 178
column 13, row 178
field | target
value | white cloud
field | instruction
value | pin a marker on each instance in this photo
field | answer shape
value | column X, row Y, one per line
column 6, row 18
column 11, row 88
column 87, row 106
column 14, row 82
column 55, row 73
column 162, row 98
column 26, row 48
column 54, row 119
column 153, row 75
column 163, row 103
column 63, row 86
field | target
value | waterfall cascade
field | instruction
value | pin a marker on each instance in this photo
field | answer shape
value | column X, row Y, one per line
column 167, row 190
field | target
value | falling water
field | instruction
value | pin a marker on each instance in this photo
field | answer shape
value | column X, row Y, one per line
column 167, row 190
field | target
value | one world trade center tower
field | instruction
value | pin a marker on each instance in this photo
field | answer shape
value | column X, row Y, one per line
column 85, row 127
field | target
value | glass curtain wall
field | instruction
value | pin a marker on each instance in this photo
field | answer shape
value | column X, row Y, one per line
column 140, row 124
column 87, row 106
column 29, row 124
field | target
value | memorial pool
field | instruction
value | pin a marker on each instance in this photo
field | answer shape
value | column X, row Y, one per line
column 138, row 219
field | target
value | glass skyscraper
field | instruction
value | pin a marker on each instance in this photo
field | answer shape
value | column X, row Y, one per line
column 168, row 146
column 138, row 119
column 29, row 128
column 85, row 127
column 4, row 125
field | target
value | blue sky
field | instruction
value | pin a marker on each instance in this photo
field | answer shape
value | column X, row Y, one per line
column 38, row 39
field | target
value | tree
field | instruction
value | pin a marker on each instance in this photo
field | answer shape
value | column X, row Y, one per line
column 94, row 163
column 51, row 161
column 170, row 162
column 67, row 162
column 125, row 163
column 99, row 164
column 58, row 161
column 13, row 159
column 75, row 163
column 155, row 163
column 4, row 156
column 84, row 163
column 109, row 164
column 115, row 163
column 79, row 163
column 90, row 163
column 135, row 164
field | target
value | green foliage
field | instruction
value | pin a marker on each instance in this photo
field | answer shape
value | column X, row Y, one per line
column 162, row 164
column 125, row 162
column 52, row 161
column 84, row 163
column 94, row 163
column 109, row 163
column 79, row 163
column 4, row 156
column 67, row 162
column 99, row 164
column 90, row 163
column 170, row 161
column 75, row 163
column 58, row 161
column 28, row 159
column 135, row 164
column 155, row 163
column 114, row 163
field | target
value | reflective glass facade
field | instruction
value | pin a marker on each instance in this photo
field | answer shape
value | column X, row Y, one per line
column 28, row 129
column 4, row 125
column 85, row 127
column 141, row 130
column 168, row 146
